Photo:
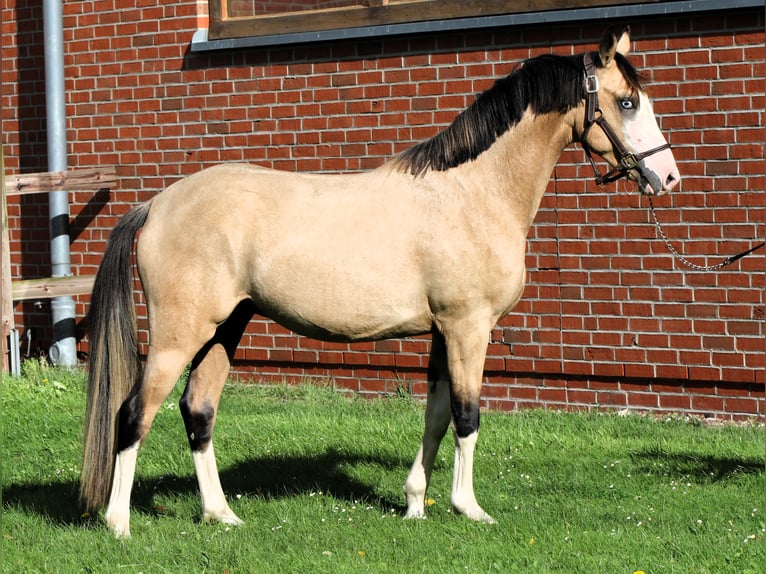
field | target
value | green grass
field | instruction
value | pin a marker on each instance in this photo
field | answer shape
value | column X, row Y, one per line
column 317, row 478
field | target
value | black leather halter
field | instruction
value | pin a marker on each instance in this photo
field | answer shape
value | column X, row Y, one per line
column 627, row 160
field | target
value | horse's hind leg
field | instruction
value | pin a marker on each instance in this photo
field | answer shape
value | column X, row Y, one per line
column 199, row 406
column 163, row 368
column 436, row 424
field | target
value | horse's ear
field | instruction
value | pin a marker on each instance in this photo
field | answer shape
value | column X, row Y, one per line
column 611, row 43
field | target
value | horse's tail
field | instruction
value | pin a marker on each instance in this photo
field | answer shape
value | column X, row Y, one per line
column 113, row 357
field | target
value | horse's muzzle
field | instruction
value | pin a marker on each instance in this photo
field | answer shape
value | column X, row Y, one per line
column 650, row 183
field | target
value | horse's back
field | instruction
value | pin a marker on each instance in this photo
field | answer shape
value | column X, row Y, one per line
column 329, row 256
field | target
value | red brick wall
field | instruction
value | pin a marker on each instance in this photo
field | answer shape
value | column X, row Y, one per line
column 608, row 319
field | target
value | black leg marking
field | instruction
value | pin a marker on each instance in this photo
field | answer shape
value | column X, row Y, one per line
column 466, row 417
column 437, row 361
column 230, row 332
column 199, row 425
column 129, row 419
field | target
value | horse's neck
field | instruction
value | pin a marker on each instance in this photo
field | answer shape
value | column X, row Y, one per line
column 518, row 166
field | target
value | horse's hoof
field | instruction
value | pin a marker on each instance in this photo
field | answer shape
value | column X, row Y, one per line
column 478, row 515
column 120, row 526
column 233, row 520
column 121, row 533
column 225, row 516
column 474, row 512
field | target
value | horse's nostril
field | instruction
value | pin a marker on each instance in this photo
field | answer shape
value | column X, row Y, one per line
column 672, row 179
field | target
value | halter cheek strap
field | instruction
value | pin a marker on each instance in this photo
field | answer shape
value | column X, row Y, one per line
column 627, row 160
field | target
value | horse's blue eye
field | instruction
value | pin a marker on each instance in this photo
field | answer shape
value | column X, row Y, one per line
column 627, row 104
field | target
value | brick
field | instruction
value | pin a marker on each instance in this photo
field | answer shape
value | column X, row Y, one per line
column 707, row 404
column 406, row 360
column 552, row 396
column 612, row 398
column 744, row 406
column 675, row 402
column 646, row 400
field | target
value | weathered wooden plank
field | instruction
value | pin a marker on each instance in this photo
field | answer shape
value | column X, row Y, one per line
column 6, row 303
column 89, row 179
column 50, row 287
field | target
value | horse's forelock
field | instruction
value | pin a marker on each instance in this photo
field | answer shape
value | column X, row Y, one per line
column 633, row 78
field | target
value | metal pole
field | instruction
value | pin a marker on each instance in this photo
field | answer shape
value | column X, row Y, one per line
column 64, row 350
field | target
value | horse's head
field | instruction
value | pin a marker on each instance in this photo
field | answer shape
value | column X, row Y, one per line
column 618, row 121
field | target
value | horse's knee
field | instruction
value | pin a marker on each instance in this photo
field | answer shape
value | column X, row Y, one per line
column 199, row 421
column 465, row 416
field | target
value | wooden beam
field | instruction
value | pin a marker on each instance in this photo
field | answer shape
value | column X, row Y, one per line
column 90, row 179
column 6, row 302
column 50, row 287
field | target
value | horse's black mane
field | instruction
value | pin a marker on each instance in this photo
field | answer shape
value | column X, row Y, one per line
column 544, row 84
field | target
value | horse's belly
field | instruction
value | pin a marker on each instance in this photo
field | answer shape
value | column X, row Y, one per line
column 346, row 323
column 339, row 305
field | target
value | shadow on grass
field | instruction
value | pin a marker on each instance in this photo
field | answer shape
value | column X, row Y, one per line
column 271, row 478
column 704, row 468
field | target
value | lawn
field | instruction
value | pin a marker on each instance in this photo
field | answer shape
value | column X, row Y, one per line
column 317, row 478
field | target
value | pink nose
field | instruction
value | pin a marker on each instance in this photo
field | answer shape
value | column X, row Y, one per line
column 670, row 182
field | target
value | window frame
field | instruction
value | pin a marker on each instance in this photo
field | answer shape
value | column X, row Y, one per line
column 377, row 13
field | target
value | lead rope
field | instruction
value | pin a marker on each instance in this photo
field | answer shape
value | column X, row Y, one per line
column 684, row 260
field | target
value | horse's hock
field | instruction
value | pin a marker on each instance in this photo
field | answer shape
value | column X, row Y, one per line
column 89, row 179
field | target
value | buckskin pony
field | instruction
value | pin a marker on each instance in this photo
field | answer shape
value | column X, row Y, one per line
column 432, row 241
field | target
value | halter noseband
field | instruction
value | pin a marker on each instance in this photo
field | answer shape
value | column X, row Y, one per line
column 593, row 115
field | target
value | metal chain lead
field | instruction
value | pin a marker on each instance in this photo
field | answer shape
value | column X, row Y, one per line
column 684, row 260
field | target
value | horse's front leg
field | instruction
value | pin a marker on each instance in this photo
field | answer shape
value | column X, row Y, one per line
column 466, row 351
column 134, row 421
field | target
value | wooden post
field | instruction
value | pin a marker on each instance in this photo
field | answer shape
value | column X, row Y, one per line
column 6, row 299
